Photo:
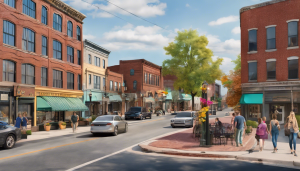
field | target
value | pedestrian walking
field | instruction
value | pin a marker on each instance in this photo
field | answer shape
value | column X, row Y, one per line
column 292, row 126
column 274, row 129
column 261, row 133
column 74, row 120
column 18, row 121
column 232, row 120
column 24, row 121
column 264, row 119
column 240, row 124
column 77, row 121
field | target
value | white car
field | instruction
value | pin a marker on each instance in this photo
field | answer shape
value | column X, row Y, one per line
column 183, row 119
column 109, row 124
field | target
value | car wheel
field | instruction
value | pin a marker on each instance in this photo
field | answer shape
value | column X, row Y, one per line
column 150, row 117
column 115, row 131
column 9, row 141
column 126, row 128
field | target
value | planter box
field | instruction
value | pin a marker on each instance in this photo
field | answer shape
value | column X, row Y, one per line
column 83, row 123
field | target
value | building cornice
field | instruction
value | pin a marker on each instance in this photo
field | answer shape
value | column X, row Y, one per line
column 78, row 16
column 247, row 8
column 270, row 84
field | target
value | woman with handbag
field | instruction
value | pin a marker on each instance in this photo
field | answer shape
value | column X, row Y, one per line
column 261, row 133
column 274, row 129
column 291, row 128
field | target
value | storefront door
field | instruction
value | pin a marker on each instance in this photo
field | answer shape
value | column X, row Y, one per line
column 280, row 116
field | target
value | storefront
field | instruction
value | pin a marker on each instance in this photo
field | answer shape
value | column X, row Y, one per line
column 115, row 104
column 7, row 106
column 149, row 103
column 97, row 104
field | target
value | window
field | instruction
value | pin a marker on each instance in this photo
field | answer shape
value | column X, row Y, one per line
column 132, row 72
column 134, row 85
column 70, row 54
column 96, row 82
column 252, row 68
column 79, row 82
column 157, row 80
column 57, row 22
column 44, row 77
column 116, row 86
column 271, row 70
column 90, row 79
column 97, row 61
column 252, row 40
column 293, row 33
column 28, row 42
column 70, row 80
column 29, row 8
column 78, row 33
column 11, row 3
column 9, row 71
column 57, row 79
column 27, row 74
column 293, row 69
column 79, row 57
column 103, row 83
column 56, row 49
column 111, row 88
column 8, row 33
column 90, row 59
column 70, row 29
column 119, row 86
column 44, row 15
column 124, row 84
column 103, row 63
column 149, row 79
column 44, row 46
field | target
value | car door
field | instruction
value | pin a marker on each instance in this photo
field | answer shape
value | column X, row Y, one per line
column 122, row 123
column 117, row 122
column 2, row 134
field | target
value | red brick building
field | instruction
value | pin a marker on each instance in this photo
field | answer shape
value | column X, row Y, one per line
column 142, row 78
column 270, row 59
column 40, row 51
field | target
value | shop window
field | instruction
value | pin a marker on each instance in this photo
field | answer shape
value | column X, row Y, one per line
column 8, row 33
column 293, row 33
column 4, row 112
column 57, row 50
column 44, row 77
column 57, row 22
column 116, row 86
column 29, row 8
column 44, row 46
column 78, row 33
column 293, row 69
column 271, row 70
column 28, row 40
column 70, row 54
column 252, row 40
column 252, row 68
column 27, row 74
column 70, row 80
column 271, row 38
column 96, row 82
column 111, row 88
column 134, row 85
column 90, row 79
column 119, row 86
column 255, row 111
column 57, row 79
column 9, row 71
column 44, row 15
column 132, row 72
column 11, row 3
column 70, row 29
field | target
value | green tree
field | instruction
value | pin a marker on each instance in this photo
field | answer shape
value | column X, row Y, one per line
column 191, row 62
column 175, row 96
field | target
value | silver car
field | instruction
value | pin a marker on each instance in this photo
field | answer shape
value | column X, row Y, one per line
column 184, row 119
column 109, row 124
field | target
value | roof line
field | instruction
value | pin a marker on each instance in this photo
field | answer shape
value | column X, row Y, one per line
column 250, row 7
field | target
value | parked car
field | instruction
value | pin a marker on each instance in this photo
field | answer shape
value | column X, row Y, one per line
column 9, row 135
column 184, row 119
column 109, row 124
column 138, row 113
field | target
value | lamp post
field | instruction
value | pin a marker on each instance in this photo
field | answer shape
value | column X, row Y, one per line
column 90, row 95
column 142, row 105
column 204, row 95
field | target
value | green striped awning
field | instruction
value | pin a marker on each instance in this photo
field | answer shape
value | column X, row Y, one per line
column 65, row 103
column 115, row 98
column 42, row 105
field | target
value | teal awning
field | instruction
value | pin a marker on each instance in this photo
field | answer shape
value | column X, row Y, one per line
column 169, row 95
column 149, row 100
column 42, row 105
column 251, row 99
column 186, row 97
column 115, row 98
column 65, row 104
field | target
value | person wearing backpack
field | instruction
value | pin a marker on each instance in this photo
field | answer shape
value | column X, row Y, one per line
column 274, row 130
column 74, row 120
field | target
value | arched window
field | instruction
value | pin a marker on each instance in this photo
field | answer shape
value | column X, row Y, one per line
column 134, row 85
column 9, row 71
column 56, row 49
column 132, row 72
column 70, row 29
column 78, row 33
column 44, row 15
column 57, row 22
column 8, row 33
column 27, row 74
column 11, row 3
column 29, row 8
column 28, row 40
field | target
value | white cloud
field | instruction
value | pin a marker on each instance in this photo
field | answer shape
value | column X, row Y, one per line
column 88, row 37
column 187, row 5
column 224, row 20
column 230, row 46
column 236, row 30
column 227, row 64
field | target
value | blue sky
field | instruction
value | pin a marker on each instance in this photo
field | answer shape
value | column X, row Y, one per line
column 136, row 39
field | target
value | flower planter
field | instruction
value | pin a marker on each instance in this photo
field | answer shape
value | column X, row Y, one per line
column 47, row 128
column 83, row 123
column 62, row 126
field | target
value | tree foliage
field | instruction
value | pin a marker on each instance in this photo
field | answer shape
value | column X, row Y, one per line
column 191, row 62
column 233, row 83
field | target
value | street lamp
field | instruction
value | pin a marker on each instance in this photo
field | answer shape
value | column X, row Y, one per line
column 142, row 105
column 90, row 95
column 204, row 95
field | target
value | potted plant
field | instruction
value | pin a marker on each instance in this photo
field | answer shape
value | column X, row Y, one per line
column 82, row 122
column 47, row 126
column 62, row 125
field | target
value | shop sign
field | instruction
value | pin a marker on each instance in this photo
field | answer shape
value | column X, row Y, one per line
column 24, row 91
column 105, row 99
column 54, row 94
column 277, row 88
column 253, row 89
column 281, row 99
column 4, row 97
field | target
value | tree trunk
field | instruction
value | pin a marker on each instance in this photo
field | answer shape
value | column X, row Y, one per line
column 193, row 101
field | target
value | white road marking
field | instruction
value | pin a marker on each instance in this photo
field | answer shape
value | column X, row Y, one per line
column 120, row 151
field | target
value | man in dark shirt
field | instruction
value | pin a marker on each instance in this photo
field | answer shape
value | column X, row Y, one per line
column 74, row 120
column 240, row 124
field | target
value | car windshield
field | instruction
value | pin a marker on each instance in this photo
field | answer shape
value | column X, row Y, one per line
column 104, row 118
column 181, row 115
column 135, row 109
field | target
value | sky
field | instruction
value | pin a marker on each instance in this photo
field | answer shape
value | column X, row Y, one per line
column 129, row 37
